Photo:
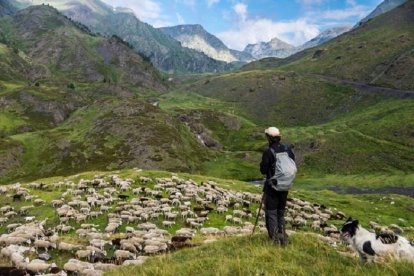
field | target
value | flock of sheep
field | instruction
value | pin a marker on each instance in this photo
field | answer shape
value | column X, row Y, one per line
column 139, row 216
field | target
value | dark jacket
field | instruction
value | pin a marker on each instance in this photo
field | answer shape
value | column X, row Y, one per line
column 267, row 166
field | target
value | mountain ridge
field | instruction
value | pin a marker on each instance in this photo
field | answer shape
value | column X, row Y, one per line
column 71, row 100
column 164, row 52
column 383, row 7
column 274, row 48
column 196, row 37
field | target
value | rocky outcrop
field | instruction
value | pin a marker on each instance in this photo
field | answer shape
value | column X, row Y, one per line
column 197, row 38
column 202, row 133
column 163, row 51
column 6, row 8
column 385, row 6
column 273, row 48
column 324, row 37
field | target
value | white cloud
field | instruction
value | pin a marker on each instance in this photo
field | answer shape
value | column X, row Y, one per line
column 351, row 2
column 210, row 3
column 352, row 11
column 241, row 10
column 310, row 2
column 180, row 19
column 190, row 3
column 254, row 30
column 146, row 10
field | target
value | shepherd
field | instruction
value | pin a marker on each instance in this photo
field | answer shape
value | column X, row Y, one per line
column 278, row 164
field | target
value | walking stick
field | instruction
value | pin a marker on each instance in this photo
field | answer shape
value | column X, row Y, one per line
column 258, row 214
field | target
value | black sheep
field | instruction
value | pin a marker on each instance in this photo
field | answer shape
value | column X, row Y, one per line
column 17, row 197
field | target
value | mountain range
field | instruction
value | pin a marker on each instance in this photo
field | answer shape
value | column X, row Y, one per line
column 72, row 99
column 273, row 48
column 165, row 53
column 383, row 7
column 196, row 37
column 184, row 48
column 324, row 37
column 83, row 111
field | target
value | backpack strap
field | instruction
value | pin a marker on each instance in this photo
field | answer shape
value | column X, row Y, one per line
column 283, row 147
column 272, row 151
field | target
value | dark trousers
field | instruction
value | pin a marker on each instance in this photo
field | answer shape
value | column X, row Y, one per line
column 275, row 204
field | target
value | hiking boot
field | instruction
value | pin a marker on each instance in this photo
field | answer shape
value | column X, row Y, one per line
column 283, row 239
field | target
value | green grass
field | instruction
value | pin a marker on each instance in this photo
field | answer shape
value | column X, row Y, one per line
column 239, row 165
column 10, row 122
column 372, row 181
column 365, row 53
column 359, row 206
column 245, row 255
column 3, row 49
column 305, row 255
column 365, row 208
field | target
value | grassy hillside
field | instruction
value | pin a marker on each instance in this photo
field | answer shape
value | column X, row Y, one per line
column 105, row 135
column 256, row 256
column 335, row 129
column 72, row 100
column 165, row 53
column 211, row 125
column 58, row 49
column 281, row 97
column 377, row 52
column 241, row 255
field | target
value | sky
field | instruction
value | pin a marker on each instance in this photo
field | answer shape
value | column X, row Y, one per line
column 241, row 22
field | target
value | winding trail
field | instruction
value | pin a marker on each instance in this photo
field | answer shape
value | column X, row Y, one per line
column 368, row 87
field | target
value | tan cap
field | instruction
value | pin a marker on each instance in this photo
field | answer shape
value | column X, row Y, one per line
column 272, row 131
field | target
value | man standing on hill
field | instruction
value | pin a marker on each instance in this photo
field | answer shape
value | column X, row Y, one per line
column 274, row 201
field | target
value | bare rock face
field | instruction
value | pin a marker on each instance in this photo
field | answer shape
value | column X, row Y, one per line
column 194, row 121
column 273, row 48
column 10, row 155
column 58, row 111
column 6, row 8
column 382, row 8
column 197, row 38
column 165, row 52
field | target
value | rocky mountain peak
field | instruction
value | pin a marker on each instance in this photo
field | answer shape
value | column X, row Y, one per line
column 325, row 36
column 382, row 8
column 276, row 43
column 197, row 38
column 273, row 48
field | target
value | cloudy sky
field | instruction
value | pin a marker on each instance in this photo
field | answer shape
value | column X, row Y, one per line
column 240, row 22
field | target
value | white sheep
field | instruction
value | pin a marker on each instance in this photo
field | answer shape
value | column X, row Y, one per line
column 129, row 246
column 76, row 266
column 122, row 255
column 83, row 254
column 38, row 266
column 68, row 247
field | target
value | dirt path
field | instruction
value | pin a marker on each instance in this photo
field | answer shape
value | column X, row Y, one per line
column 369, row 88
column 407, row 191
column 392, row 63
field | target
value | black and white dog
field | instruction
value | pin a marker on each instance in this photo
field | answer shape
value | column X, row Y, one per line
column 369, row 245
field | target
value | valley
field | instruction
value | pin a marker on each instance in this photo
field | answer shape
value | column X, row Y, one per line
column 80, row 104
